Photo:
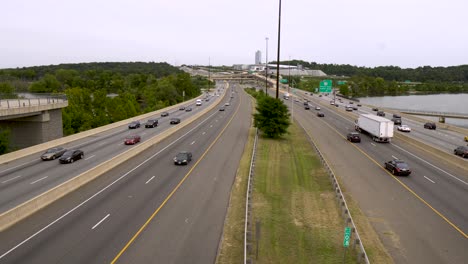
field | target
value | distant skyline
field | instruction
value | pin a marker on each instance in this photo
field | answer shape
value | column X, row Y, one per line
column 369, row 33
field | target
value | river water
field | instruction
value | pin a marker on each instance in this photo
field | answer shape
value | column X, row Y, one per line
column 455, row 103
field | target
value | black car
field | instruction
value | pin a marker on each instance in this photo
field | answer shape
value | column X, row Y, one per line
column 182, row 108
column 396, row 121
column 320, row 114
column 306, row 107
column 355, row 108
column 359, row 105
column 375, row 109
column 151, row 123
column 174, row 120
column 396, row 116
column 183, row 158
column 164, row 114
column 336, row 105
column 134, row 124
column 221, row 108
column 380, row 113
column 461, row 151
column 398, row 167
column 71, row 155
column 353, row 137
column 430, row 125
column 188, row 109
column 53, row 153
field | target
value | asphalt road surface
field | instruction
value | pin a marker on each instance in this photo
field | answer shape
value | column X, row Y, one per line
column 147, row 210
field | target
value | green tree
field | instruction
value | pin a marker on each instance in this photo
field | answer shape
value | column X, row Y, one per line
column 272, row 117
column 4, row 141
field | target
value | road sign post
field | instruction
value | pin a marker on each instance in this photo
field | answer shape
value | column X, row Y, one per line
column 347, row 238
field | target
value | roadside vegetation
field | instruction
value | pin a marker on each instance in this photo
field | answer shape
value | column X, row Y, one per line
column 385, row 80
column 104, row 93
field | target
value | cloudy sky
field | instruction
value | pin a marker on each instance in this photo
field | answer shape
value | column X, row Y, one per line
column 405, row 33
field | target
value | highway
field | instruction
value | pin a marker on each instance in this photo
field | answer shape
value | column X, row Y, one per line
column 421, row 218
column 444, row 139
column 148, row 209
column 28, row 177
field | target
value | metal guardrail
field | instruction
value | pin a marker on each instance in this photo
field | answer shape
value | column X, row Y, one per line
column 362, row 255
column 430, row 113
column 248, row 205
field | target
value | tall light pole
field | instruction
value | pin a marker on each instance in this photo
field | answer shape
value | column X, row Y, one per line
column 266, row 67
column 209, row 74
column 289, row 77
column 278, row 57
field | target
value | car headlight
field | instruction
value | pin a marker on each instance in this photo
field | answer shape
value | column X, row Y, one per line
column 184, row 161
column 175, row 159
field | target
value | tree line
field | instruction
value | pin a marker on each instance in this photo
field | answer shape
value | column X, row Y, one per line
column 104, row 93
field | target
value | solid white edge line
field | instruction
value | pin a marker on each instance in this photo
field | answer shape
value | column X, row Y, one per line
column 192, row 143
column 394, row 157
column 149, row 180
column 17, row 166
column 38, row 180
column 429, row 179
column 372, row 144
column 102, row 190
column 102, row 220
column 11, row 179
column 449, row 174
column 90, row 157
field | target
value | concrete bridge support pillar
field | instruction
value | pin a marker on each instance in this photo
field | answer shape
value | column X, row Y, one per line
column 32, row 130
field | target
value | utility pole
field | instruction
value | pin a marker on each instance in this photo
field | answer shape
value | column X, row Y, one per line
column 266, row 67
column 278, row 57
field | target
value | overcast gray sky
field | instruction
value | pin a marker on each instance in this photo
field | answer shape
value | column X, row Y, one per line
column 405, row 33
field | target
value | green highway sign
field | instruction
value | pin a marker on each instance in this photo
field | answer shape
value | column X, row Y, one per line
column 341, row 82
column 326, row 86
column 284, row 81
column 347, row 236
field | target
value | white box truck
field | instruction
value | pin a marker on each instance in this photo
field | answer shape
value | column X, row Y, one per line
column 380, row 128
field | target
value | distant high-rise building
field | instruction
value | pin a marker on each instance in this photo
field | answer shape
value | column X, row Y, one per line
column 258, row 57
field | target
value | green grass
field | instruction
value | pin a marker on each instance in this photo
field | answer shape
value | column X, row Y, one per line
column 294, row 201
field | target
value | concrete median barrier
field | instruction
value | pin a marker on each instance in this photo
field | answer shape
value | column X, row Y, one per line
column 28, row 208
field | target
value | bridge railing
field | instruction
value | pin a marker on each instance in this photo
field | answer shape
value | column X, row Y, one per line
column 18, row 101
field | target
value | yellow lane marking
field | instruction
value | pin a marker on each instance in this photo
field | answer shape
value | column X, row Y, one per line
column 394, row 177
column 174, row 190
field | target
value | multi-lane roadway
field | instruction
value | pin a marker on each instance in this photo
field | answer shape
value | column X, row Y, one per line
column 148, row 209
column 422, row 218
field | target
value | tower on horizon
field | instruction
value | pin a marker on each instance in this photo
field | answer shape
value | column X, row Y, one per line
column 258, row 57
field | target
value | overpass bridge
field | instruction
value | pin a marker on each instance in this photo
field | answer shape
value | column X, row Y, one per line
column 32, row 121
column 441, row 115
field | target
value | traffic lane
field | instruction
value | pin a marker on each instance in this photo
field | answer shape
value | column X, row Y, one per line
column 448, row 196
column 23, row 184
column 405, row 226
column 73, row 231
column 189, row 227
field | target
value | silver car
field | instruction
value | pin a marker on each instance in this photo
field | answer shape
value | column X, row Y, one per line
column 53, row 153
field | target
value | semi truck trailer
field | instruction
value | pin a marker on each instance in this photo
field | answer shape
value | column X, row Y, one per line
column 379, row 128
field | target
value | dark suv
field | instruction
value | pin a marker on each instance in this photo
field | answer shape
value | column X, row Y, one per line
column 151, row 123
column 380, row 113
column 430, row 125
column 134, row 124
column 396, row 121
column 183, row 158
column 461, row 151
column 353, row 137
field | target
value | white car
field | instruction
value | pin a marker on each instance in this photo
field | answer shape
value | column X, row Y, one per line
column 226, row 104
column 404, row 128
column 317, row 108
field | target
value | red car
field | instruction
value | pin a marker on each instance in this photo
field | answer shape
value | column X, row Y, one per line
column 131, row 140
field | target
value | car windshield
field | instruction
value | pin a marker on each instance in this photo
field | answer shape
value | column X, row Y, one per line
column 53, row 150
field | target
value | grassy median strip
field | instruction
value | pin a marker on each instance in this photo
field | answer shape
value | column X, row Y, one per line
column 294, row 202
column 295, row 205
